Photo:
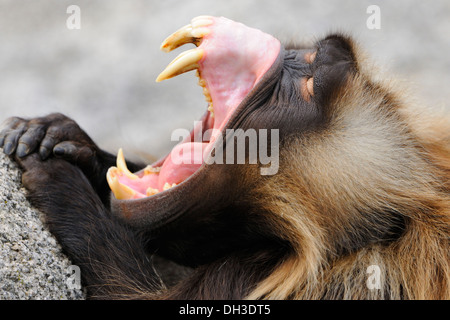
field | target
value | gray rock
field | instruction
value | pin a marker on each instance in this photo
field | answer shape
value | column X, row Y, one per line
column 32, row 265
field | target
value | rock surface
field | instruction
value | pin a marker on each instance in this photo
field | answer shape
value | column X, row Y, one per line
column 32, row 265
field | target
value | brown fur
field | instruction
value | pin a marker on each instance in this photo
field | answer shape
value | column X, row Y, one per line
column 378, row 159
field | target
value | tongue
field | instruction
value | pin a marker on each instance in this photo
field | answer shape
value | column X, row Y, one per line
column 180, row 164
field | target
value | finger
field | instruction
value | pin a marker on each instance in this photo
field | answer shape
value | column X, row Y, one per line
column 30, row 140
column 12, row 138
column 9, row 125
column 74, row 152
column 48, row 143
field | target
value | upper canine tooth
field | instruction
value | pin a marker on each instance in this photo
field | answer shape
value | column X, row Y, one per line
column 186, row 61
column 191, row 33
column 178, row 38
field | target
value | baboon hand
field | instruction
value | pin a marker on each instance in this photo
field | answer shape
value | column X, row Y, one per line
column 53, row 135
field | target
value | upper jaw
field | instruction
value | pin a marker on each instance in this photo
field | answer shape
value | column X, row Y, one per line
column 230, row 60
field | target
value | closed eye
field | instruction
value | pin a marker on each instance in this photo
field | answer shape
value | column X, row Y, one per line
column 310, row 86
column 310, row 57
column 307, row 88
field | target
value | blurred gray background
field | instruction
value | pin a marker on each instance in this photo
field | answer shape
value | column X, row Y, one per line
column 103, row 75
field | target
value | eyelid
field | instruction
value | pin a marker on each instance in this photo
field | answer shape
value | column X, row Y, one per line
column 307, row 88
column 307, row 83
column 310, row 57
column 310, row 86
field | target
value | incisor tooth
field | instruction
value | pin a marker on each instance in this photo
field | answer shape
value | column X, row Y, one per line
column 122, row 166
column 202, row 21
column 186, row 61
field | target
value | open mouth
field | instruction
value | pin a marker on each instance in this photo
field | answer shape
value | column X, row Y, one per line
column 230, row 59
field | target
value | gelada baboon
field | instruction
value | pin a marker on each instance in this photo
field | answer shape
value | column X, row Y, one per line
column 357, row 208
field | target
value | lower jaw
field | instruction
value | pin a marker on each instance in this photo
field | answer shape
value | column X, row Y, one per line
column 182, row 162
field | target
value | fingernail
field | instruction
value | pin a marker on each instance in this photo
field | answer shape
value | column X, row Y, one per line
column 22, row 150
column 58, row 151
column 8, row 148
column 44, row 152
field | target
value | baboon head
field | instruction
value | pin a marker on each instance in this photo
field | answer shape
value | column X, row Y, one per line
column 345, row 162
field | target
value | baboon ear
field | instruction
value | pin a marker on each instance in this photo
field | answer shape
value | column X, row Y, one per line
column 334, row 62
column 336, row 48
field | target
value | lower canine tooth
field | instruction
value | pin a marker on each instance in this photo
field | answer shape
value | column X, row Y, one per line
column 122, row 166
column 185, row 62
column 121, row 192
